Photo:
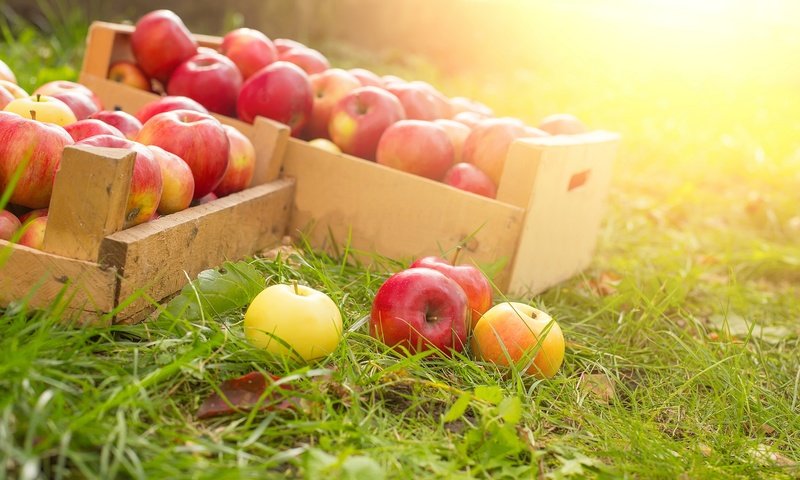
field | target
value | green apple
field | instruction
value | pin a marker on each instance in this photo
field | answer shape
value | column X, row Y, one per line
column 286, row 318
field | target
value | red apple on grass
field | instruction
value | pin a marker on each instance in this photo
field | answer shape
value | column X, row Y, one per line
column 420, row 309
column 33, row 233
column 35, row 149
column 310, row 60
column 562, row 124
column 487, row 144
column 359, row 119
column 249, row 49
column 146, row 183
column 123, row 121
column 241, row 163
column 198, row 138
column 177, row 181
column 9, row 224
column 418, row 147
column 468, row 177
column 280, row 91
column 366, row 77
column 129, row 73
column 160, row 42
column 90, row 128
column 458, row 133
column 211, row 79
column 6, row 73
column 168, row 104
column 328, row 88
column 42, row 108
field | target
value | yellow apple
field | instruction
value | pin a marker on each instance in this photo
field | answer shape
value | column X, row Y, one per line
column 283, row 319
column 42, row 108
column 325, row 144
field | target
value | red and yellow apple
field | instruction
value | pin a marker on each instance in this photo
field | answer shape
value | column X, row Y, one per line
column 168, row 104
column 91, row 127
column 60, row 86
column 310, row 60
column 81, row 105
column 280, row 91
column 15, row 90
column 366, row 77
column 416, row 146
column 9, row 224
column 359, row 119
column 420, row 100
column 129, row 73
column 33, row 233
column 177, row 181
column 211, row 79
column 283, row 45
column 328, row 88
column 249, row 49
column 160, row 42
column 468, row 177
column 458, row 133
column 123, row 121
column 488, row 143
column 241, row 163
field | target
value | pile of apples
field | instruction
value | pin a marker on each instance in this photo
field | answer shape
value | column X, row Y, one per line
column 183, row 154
column 407, row 125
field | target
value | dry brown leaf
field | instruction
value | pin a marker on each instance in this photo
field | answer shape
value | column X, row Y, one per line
column 604, row 284
column 599, row 386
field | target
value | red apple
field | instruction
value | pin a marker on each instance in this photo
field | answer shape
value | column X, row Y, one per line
column 6, row 73
column 470, row 119
column 5, row 98
column 33, row 233
column 487, row 144
column 13, row 89
column 283, row 45
column 60, row 86
column 359, row 119
column 458, row 133
column 39, row 212
column 249, row 49
column 470, row 178
column 562, row 124
column 464, row 104
column 35, row 149
column 167, row 104
column 9, row 224
column 129, row 73
column 420, row 309
column 198, row 138
column 241, row 163
column 392, row 80
column 81, row 105
column 366, row 77
column 123, row 121
column 280, row 91
column 420, row 101
column 211, row 79
column 418, row 147
column 474, row 283
column 328, row 87
column 146, row 183
column 310, row 60
column 177, row 180
column 91, row 127
column 160, row 42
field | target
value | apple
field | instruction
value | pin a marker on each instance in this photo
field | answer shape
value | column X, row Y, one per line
column 359, row 119
column 6, row 73
column 420, row 309
column 464, row 104
column 43, row 109
column 418, row 147
column 91, row 127
column 160, row 42
column 167, row 104
column 9, row 224
column 241, row 163
column 81, row 105
column 512, row 332
column 392, row 80
column 205, row 199
column 420, row 100
column 562, row 124
column 474, row 283
column 293, row 320
column 458, row 133
column 328, row 88
column 34, row 148
column 146, row 183
column 310, row 60
column 487, row 144
column 13, row 89
column 177, row 181
column 61, row 86
column 123, row 121
column 5, row 97
column 198, row 138
column 249, row 49
column 470, row 119
column 366, row 77
column 211, row 79
column 325, row 144
column 280, row 91
column 282, row 45
column 468, row 177
column 39, row 212
column 33, row 233
column 129, row 73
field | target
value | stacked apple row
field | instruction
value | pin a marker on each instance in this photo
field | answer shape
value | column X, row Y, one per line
column 407, row 125
column 184, row 155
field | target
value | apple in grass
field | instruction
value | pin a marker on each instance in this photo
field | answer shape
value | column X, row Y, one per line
column 468, row 177
column 418, row 147
column 280, row 91
column 6, row 73
column 361, row 117
column 160, row 42
column 9, row 224
column 177, row 181
column 129, row 73
column 241, row 163
column 249, row 49
column 122, row 121
column 488, row 143
column 516, row 333
column 420, row 309
column 366, row 77
column 33, row 233
column 168, row 104
column 197, row 138
column 328, row 88
column 293, row 321
column 211, row 79
column 562, row 124
column 42, row 108
column 310, row 60
column 61, row 86
column 458, row 133
column 90, row 128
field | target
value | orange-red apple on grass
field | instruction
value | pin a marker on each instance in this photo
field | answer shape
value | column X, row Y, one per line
column 515, row 333
column 42, row 108
column 9, row 224
column 123, row 121
column 359, row 119
column 241, row 163
column 6, row 73
column 128, row 73
column 160, row 42
column 177, row 181
column 418, row 147
column 249, row 49
column 328, row 88
column 33, row 233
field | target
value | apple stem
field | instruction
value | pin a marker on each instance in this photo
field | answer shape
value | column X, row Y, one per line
column 455, row 255
column 38, row 97
column 296, row 290
column 33, row 114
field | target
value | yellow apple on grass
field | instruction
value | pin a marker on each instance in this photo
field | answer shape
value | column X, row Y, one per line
column 293, row 320
column 42, row 108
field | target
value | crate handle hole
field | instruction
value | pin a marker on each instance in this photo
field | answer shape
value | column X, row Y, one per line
column 577, row 180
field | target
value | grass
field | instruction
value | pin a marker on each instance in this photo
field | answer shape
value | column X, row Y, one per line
column 682, row 358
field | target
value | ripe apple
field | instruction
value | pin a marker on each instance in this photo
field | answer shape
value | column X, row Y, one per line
column 198, row 138
column 389, row 80
column 81, row 105
column 15, row 90
column 35, row 149
column 464, row 104
column 515, row 332
column 328, row 88
column 43, row 109
column 420, row 309
column 205, row 199
column 249, row 49
column 487, row 144
column 283, row 45
column 458, row 133
column 293, row 320
column 562, row 124
column 167, row 104
column 33, row 233
column 91, row 127
column 146, row 183
column 366, row 77
column 129, row 73
column 470, row 119
column 359, row 119
column 177, row 181
column 420, row 100
column 5, row 97
column 123, row 121
column 474, row 283
column 6, row 73
column 325, row 144
column 280, row 91
column 9, row 224
column 241, row 163
column 310, row 60
column 418, row 147
column 39, row 212
column 468, row 177
column 60, row 86
column 160, row 42
column 211, row 79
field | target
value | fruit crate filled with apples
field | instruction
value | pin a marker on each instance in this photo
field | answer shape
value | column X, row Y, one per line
column 382, row 165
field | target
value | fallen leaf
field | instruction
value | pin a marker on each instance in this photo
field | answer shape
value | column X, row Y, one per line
column 705, row 450
column 605, row 284
column 765, row 455
column 242, row 394
column 599, row 386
